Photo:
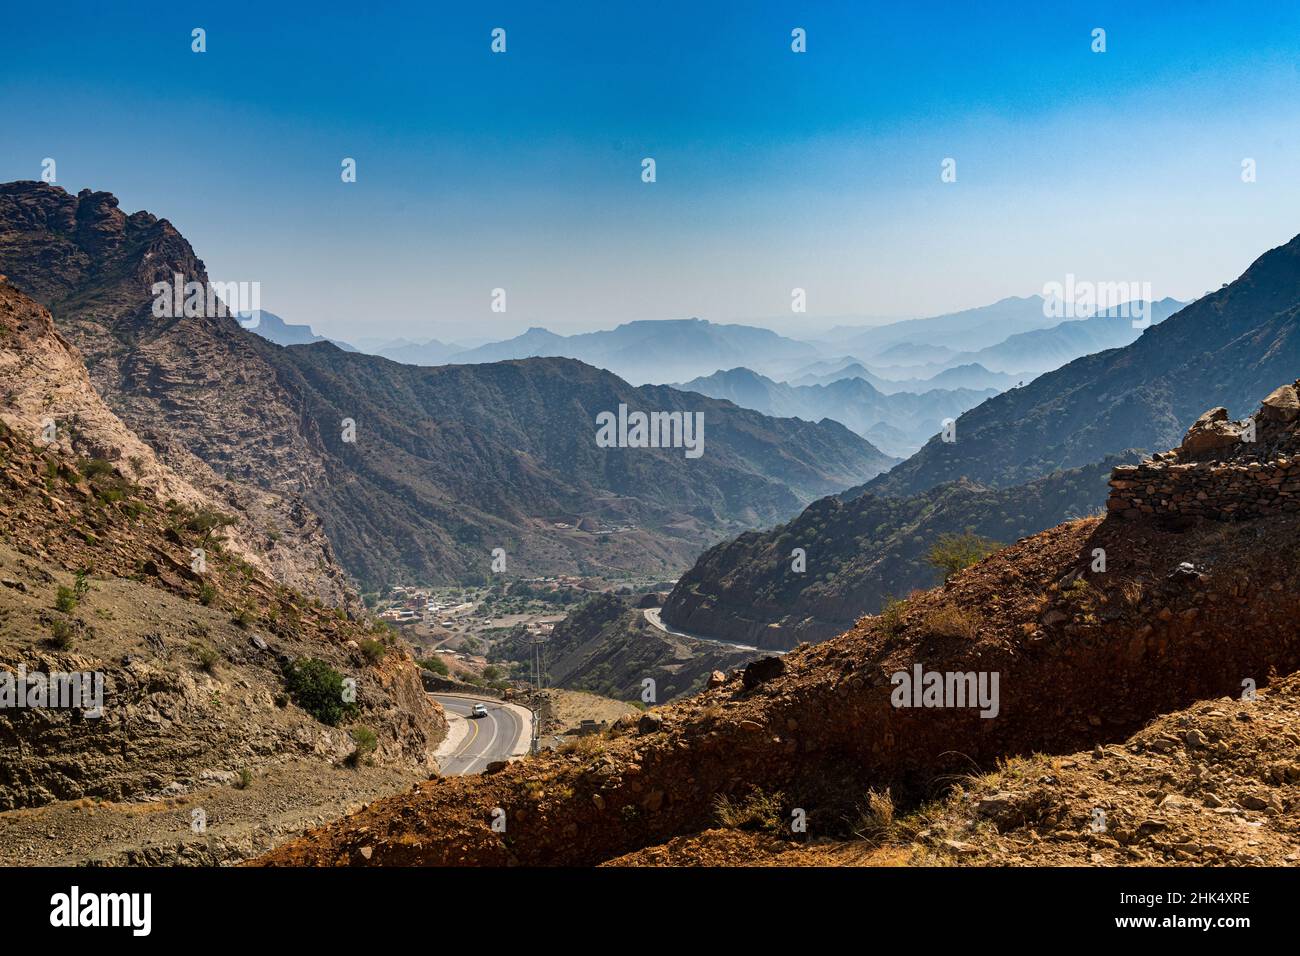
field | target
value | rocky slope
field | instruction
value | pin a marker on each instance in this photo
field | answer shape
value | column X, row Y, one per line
column 1215, row 784
column 450, row 463
column 1084, row 659
column 193, row 660
column 192, row 388
column 1230, row 348
column 861, row 550
column 447, row 464
column 99, row 573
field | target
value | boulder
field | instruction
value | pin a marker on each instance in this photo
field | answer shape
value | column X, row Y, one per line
column 649, row 723
column 1282, row 405
column 762, row 670
column 1209, row 434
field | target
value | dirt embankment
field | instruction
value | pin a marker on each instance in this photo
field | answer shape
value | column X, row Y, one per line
column 97, row 576
column 1083, row 658
column 1216, row 784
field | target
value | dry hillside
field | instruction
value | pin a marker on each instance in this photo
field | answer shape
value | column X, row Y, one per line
column 1086, row 659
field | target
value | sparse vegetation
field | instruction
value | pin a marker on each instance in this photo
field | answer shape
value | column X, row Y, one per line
column 876, row 822
column 891, row 616
column 244, row 779
column 318, row 689
column 436, row 666
column 956, row 552
column 583, row 745
column 65, row 599
column 62, row 634
column 205, row 521
column 757, row 811
column 366, row 743
column 372, row 650
column 947, row 620
column 207, row 656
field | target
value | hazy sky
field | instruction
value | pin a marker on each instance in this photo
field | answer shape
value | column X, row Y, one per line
column 775, row 170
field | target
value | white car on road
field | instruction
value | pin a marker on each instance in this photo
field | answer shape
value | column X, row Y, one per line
column 480, row 710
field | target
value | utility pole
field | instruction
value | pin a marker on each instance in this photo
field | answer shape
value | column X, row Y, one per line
column 537, row 667
column 537, row 663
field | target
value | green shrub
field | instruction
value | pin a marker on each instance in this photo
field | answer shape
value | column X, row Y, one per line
column 435, row 665
column 244, row 780
column 366, row 744
column 65, row 600
column 207, row 520
column 956, row 552
column 62, row 634
column 207, row 594
column 96, row 468
column 373, row 650
column 758, row 811
column 207, row 656
column 891, row 616
column 318, row 689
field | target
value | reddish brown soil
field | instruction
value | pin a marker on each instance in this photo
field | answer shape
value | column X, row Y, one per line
column 1079, row 666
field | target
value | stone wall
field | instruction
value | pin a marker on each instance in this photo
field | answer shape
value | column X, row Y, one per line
column 1222, row 491
column 1223, row 470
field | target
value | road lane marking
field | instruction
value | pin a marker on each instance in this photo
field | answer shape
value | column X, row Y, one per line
column 462, row 750
column 485, row 754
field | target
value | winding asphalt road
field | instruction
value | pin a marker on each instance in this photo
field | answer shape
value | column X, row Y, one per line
column 655, row 621
column 492, row 737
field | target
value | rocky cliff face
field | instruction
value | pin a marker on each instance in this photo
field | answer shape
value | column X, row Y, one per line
column 191, row 388
column 192, row 661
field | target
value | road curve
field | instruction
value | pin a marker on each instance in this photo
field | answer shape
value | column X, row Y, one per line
column 652, row 615
column 495, row 736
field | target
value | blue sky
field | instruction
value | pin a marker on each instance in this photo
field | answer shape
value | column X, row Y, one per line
column 775, row 170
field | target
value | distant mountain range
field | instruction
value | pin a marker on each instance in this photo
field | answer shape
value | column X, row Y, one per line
column 1229, row 348
column 1044, row 349
column 399, row 472
column 432, row 352
column 274, row 329
column 959, row 376
column 898, row 424
column 964, row 331
column 652, row 351
column 913, row 355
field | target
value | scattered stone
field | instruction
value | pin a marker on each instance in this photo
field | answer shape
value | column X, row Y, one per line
column 762, row 670
column 649, row 723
